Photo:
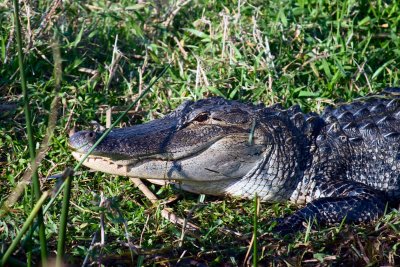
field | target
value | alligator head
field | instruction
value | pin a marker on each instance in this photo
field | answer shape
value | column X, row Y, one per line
column 206, row 146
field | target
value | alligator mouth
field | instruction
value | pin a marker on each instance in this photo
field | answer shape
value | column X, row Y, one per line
column 122, row 167
column 123, row 160
column 166, row 167
column 100, row 159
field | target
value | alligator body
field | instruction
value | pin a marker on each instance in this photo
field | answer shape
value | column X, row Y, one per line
column 343, row 164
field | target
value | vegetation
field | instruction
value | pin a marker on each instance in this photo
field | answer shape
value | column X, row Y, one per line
column 307, row 52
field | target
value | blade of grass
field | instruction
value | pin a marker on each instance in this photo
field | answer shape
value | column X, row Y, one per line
column 63, row 222
column 255, row 226
column 29, row 246
column 252, row 248
column 69, row 177
column 308, row 231
column 31, row 143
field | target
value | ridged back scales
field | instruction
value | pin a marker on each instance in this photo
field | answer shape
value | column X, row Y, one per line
column 361, row 141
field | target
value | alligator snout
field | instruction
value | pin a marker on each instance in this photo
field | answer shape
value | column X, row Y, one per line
column 83, row 140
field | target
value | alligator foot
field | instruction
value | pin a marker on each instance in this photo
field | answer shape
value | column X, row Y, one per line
column 341, row 201
column 288, row 225
column 332, row 210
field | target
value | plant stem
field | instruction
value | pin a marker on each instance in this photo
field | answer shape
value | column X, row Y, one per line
column 255, row 224
column 63, row 222
column 31, row 143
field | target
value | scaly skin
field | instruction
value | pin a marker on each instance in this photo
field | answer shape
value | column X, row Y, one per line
column 344, row 164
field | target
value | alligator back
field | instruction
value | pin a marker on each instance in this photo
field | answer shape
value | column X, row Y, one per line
column 361, row 141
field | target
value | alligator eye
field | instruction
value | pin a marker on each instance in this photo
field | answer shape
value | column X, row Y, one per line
column 201, row 117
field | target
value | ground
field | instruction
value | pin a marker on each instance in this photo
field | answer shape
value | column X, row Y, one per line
column 311, row 53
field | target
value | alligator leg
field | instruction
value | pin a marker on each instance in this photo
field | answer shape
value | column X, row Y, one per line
column 334, row 202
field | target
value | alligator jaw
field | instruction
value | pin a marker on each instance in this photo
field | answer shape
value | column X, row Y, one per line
column 194, row 166
column 104, row 164
column 194, row 173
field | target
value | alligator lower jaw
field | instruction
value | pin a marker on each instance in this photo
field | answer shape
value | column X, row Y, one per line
column 157, row 172
column 106, row 165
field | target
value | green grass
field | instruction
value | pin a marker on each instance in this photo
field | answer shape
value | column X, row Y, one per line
column 311, row 53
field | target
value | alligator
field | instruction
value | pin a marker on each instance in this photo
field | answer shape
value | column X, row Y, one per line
column 340, row 166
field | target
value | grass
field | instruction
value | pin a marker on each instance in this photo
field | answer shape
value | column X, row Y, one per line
column 311, row 53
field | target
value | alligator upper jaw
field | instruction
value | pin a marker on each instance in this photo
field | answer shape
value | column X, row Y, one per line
column 158, row 139
column 131, row 150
